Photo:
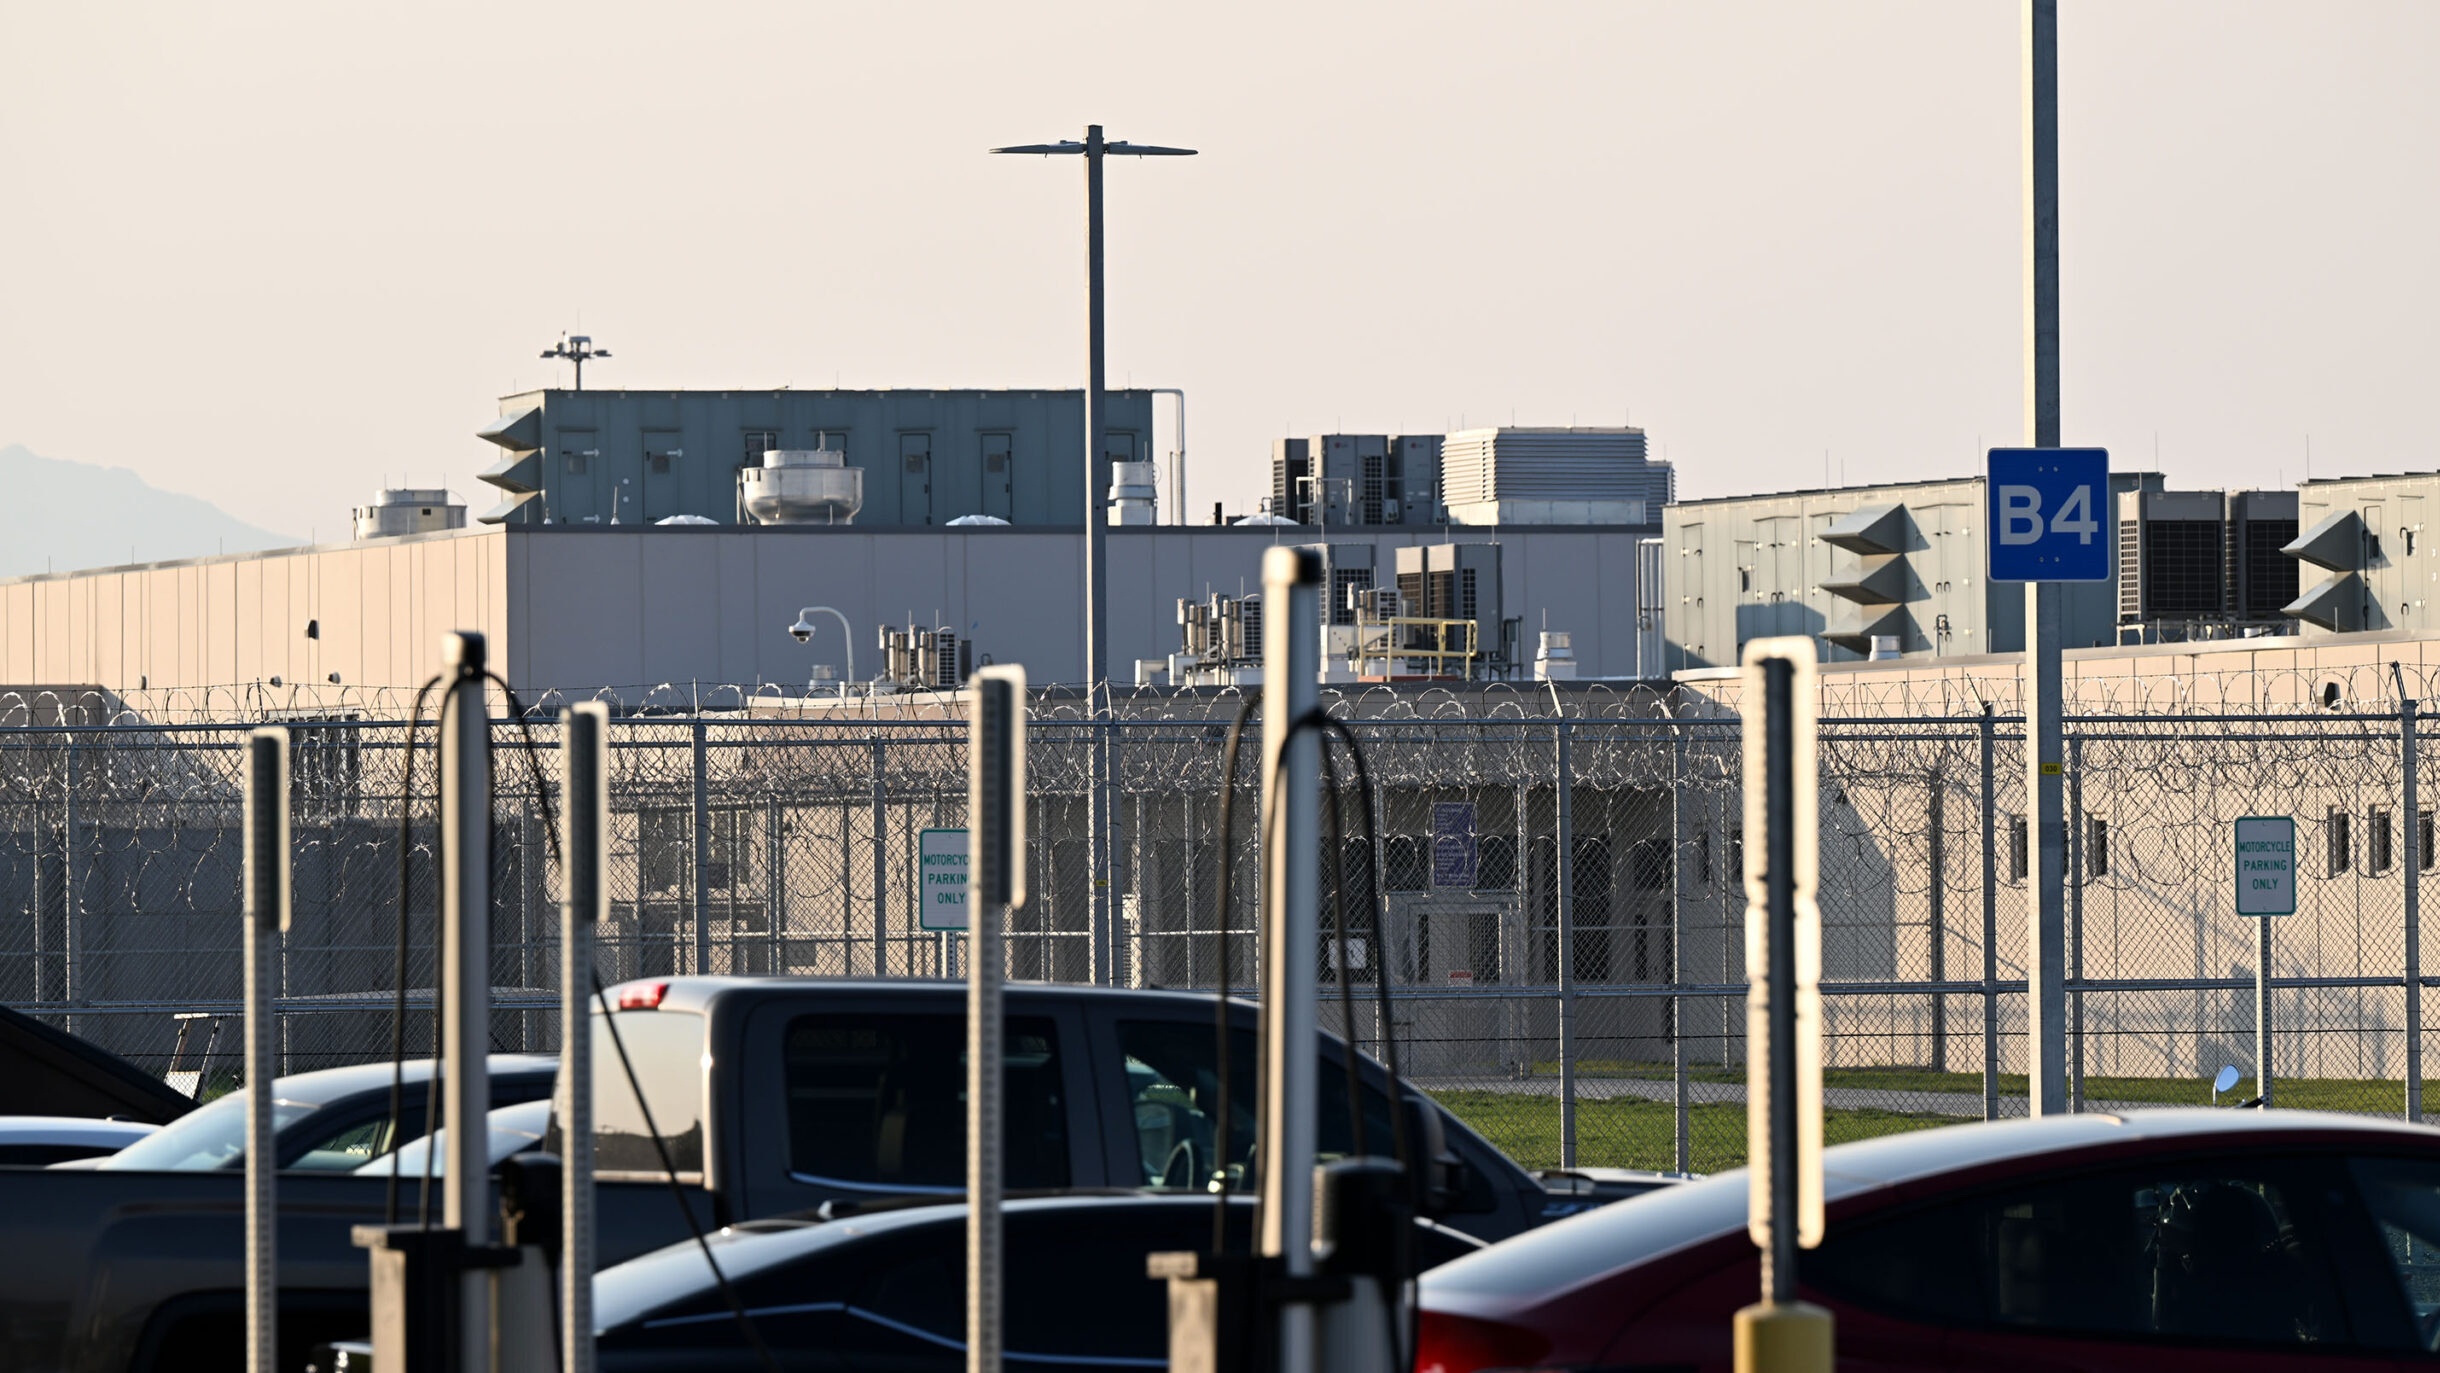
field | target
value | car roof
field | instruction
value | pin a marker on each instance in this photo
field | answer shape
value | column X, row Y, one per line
column 626, row 1291
column 325, row 1085
column 70, row 1130
column 1625, row 1233
column 1897, row 1158
column 698, row 993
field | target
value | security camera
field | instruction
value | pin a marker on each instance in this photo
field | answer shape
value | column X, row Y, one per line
column 802, row 630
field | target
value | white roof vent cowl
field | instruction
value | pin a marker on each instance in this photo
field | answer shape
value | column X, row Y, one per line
column 408, row 510
column 801, row 486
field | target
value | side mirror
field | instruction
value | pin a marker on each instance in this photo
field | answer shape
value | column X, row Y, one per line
column 530, row 1201
column 1440, row 1181
column 2227, row 1080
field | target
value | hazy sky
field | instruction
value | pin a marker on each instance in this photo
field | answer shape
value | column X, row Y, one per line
column 270, row 253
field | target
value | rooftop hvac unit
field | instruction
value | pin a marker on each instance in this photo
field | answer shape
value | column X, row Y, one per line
column 1222, row 631
column 924, row 659
column 1455, row 581
column 2172, row 556
column 1347, row 568
column 2262, row 579
column 1291, row 463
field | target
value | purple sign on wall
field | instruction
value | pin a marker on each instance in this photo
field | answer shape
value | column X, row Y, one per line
column 1453, row 854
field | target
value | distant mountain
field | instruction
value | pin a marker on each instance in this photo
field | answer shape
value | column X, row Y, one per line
column 63, row 516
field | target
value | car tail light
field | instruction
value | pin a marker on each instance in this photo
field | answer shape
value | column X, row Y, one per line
column 1469, row 1344
column 642, row 996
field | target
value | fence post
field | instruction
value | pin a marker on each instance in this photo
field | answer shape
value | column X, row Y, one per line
column 1102, row 823
column 703, row 855
column 881, row 864
column 533, row 956
column 71, row 948
column 42, row 898
column 1379, row 896
column 1566, row 866
column 775, row 884
column 2408, row 709
column 1990, row 930
column 1680, row 1108
column 2076, row 832
column 1935, row 820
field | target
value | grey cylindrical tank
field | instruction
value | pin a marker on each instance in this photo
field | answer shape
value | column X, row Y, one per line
column 802, row 486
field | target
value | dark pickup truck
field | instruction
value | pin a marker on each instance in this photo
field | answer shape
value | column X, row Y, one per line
column 771, row 1096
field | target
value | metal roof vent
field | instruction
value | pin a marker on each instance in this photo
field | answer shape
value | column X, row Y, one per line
column 2336, row 605
column 801, row 486
column 2336, row 543
column 1871, row 530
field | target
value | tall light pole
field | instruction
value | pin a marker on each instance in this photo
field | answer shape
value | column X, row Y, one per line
column 1096, row 496
column 2045, row 602
column 1096, row 403
column 576, row 348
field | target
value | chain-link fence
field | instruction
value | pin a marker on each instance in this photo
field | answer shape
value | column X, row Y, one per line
column 1560, row 897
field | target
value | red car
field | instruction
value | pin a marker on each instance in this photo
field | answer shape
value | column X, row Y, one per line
column 2164, row 1240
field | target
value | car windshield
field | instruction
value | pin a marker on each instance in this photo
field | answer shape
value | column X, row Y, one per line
column 213, row 1136
column 514, row 1129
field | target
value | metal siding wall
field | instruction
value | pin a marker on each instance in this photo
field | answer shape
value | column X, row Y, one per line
column 736, row 609
column 679, row 627
column 1047, row 427
column 259, row 606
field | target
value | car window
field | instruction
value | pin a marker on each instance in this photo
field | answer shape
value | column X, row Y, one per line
column 2403, row 1196
column 514, row 1130
column 665, row 1049
column 1173, row 1090
column 2209, row 1252
column 213, row 1136
column 345, row 1148
column 880, row 1100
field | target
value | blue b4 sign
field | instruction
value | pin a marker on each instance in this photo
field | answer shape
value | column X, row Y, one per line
column 2050, row 514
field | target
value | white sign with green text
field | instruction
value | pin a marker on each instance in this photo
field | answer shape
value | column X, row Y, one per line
column 2266, row 865
column 940, row 879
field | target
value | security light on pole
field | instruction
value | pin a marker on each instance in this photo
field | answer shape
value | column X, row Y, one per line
column 578, row 349
column 802, row 632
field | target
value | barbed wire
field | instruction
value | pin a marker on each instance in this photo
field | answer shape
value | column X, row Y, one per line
column 771, row 835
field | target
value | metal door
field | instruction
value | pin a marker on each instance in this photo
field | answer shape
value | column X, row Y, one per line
column 914, row 478
column 999, row 474
column 578, row 453
column 663, row 452
column 1458, row 947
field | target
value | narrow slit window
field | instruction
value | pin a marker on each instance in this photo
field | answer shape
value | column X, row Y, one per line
column 2341, row 843
column 2380, row 840
column 2097, row 847
column 2017, row 857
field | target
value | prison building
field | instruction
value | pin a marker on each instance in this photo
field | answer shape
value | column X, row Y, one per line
column 927, row 457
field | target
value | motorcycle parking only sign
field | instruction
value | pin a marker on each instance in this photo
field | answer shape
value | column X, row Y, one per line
column 2266, row 865
column 940, row 879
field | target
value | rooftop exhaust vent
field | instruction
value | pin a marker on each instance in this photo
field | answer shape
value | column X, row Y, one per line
column 801, row 486
column 1871, row 531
